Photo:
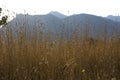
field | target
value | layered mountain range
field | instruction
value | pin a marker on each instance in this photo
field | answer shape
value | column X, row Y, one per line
column 56, row 22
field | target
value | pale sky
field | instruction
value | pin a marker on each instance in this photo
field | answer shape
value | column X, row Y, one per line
column 67, row 7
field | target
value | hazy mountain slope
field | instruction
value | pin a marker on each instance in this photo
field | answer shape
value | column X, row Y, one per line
column 44, row 21
column 114, row 18
column 94, row 24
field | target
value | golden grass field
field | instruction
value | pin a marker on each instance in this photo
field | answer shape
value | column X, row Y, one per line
column 30, row 58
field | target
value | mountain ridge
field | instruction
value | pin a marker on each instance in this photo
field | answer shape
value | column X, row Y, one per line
column 96, row 24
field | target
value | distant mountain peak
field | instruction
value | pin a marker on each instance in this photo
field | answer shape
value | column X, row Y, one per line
column 57, row 14
column 114, row 18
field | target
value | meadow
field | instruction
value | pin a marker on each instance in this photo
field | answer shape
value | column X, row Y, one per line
column 38, row 57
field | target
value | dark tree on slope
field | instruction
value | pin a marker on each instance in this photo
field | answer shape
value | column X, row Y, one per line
column 3, row 20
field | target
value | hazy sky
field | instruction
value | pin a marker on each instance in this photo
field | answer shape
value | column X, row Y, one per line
column 67, row 7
